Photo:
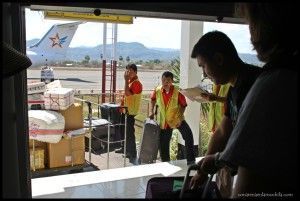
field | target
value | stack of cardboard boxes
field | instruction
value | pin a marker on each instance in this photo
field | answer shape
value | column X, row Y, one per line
column 69, row 150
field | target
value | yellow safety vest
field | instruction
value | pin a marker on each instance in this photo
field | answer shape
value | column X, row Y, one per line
column 216, row 109
column 133, row 102
column 170, row 113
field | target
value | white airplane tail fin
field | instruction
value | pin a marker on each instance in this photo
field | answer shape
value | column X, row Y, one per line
column 57, row 39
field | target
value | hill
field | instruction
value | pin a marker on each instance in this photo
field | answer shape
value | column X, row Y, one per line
column 136, row 51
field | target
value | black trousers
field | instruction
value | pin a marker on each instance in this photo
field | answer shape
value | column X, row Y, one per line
column 130, row 135
column 187, row 135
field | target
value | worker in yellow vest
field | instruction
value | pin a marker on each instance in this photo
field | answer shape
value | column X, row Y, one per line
column 171, row 105
column 217, row 105
column 132, row 100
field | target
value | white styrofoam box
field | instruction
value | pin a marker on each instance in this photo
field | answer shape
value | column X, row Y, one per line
column 59, row 98
column 52, row 85
column 36, row 87
column 46, row 125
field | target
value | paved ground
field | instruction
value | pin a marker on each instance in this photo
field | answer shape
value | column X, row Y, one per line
column 92, row 78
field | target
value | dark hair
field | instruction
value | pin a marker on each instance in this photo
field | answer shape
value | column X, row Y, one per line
column 271, row 27
column 214, row 42
column 167, row 74
column 132, row 66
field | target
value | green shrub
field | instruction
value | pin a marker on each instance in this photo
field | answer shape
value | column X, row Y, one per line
column 174, row 145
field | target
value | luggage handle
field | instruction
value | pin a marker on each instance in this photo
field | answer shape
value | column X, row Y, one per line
column 185, row 181
column 155, row 112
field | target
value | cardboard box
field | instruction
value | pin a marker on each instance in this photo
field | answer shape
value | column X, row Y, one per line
column 37, row 144
column 61, row 154
column 41, row 145
column 38, row 158
column 73, row 117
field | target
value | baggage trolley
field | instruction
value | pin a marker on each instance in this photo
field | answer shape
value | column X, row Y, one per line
column 109, row 125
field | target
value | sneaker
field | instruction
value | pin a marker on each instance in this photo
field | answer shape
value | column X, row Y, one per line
column 119, row 151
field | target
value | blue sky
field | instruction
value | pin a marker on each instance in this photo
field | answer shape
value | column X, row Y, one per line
column 152, row 32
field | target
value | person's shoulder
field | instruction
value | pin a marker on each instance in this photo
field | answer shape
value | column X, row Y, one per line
column 251, row 71
column 253, row 68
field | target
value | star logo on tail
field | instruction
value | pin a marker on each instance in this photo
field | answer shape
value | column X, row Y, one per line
column 58, row 41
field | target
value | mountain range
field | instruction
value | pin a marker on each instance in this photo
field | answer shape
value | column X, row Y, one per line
column 136, row 51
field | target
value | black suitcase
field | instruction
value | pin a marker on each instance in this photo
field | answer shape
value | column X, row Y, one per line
column 149, row 142
column 99, row 131
column 99, row 135
column 111, row 112
column 99, row 127
column 177, row 187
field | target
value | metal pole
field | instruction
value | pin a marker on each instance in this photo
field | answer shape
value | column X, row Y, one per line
column 90, row 130
column 104, row 62
column 114, row 79
column 104, row 40
column 114, row 57
column 108, row 136
column 98, row 106
column 115, row 41
column 103, row 80
column 111, row 80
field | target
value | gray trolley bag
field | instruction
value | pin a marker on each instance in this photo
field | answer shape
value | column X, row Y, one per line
column 149, row 141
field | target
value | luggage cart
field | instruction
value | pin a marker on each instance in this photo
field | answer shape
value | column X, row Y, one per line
column 88, row 165
column 125, row 133
column 108, row 125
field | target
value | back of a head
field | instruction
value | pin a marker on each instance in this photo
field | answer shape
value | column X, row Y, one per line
column 132, row 66
column 272, row 28
column 214, row 42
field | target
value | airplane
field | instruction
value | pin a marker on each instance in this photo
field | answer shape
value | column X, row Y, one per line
column 53, row 46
